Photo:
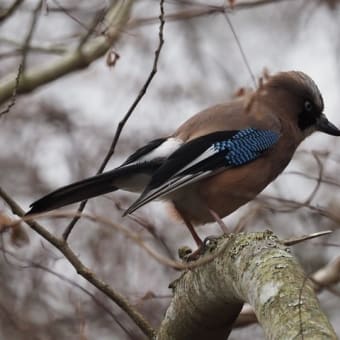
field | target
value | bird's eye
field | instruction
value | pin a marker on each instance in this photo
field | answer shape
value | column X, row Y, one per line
column 308, row 106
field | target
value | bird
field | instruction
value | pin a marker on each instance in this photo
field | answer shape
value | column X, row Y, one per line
column 219, row 159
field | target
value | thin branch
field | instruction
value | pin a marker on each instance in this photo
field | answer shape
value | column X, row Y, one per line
column 240, row 48
column 66, row 11
column 130, row 235
column 24, row 52
column 30, row 33
column 303, row 238
column 37, row 265
column 14, row 93
column 158, row 257
column 72, row 60
column 81, row 269
column 5, row 14
column 122, row 123
column 201, row 10
column 328, row 275
column 33, row 49
column 127, row 233
column 298, row 205
column 318, row 182
column 41, row 46
column 308, row 200
column 99, row 17
column 307, row 176
column 150, row 228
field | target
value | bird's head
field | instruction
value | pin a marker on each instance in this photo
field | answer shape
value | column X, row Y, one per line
column 301, row 99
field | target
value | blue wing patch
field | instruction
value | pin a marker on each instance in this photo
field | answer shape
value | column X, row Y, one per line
column 246, row 145
column 202, row 157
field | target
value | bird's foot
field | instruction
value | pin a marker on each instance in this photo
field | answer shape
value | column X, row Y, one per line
column 186, row 254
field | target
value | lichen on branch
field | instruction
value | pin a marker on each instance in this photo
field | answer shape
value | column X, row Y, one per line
column 249, row 267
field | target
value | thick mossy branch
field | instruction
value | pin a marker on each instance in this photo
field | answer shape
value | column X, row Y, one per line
column 249, row 267
column 71, row 61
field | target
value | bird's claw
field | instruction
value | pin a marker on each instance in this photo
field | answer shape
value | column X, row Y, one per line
column 187, row 255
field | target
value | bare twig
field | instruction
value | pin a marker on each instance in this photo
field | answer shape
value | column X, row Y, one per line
column 158, row 257
column 319, row 180
column 67, row 12
column 298, row 205
column 37, row 265
column 127, row 115
column 30, row 33
column 22, row 65
column 201, row 9
column 240, row 47
column 99, row 17
column 132, row 236
column 129, row 234
column 34, row 49
column 5, row 14
column 328, row 275
column 14, row 93
column 41, row 47
column 323, row 180
column 81, row 269
column 72, row 60
column 303, row 238
column 150, row 228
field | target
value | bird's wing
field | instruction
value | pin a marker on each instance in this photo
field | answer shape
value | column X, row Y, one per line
column 204, row 156
column 133, row 175
column 157, row 149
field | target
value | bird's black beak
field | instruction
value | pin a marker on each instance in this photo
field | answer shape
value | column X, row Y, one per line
column 324, row 125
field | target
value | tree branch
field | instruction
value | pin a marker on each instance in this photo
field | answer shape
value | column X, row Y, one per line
column 255, row 268
column 29, row 264
column 71, row 61
column 81, row 269
column 202, row 9
column 328, row 275
column 6, row 13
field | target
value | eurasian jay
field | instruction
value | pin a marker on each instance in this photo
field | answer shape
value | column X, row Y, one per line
column 219, row 159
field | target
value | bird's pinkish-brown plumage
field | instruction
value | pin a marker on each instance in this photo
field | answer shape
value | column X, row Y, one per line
column 228, row 190
column 194, row 168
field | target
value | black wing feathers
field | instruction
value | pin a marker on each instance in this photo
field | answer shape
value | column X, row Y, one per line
column 188, row 153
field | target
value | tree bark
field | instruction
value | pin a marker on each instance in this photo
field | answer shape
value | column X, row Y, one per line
column 248, row 267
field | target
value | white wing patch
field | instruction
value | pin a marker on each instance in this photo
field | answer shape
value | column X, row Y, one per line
column 162, row 151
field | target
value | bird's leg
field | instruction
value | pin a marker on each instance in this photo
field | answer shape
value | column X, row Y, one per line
column 191, row 228
column 219, row 221
column 191, row 256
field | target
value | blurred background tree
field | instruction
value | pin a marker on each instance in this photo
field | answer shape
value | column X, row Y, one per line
column 70, row 71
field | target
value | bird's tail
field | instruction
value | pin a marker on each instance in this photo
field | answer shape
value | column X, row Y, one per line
column 75, row 192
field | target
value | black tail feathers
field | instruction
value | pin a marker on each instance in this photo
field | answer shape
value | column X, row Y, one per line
column 75, row 192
